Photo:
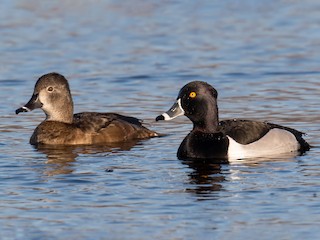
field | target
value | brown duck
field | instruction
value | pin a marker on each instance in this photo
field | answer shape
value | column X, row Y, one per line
column 62, row 127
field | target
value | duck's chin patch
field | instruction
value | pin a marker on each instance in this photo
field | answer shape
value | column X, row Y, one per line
column 275, row 142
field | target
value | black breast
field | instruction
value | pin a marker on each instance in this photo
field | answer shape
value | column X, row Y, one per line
column 200, row 145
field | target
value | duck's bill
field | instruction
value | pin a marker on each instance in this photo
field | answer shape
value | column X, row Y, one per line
column 33, row 103
column 175, row 111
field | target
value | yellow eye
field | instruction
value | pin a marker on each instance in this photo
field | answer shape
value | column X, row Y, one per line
column 192, row 94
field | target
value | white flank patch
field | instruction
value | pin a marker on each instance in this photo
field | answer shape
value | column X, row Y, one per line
column 276, row 141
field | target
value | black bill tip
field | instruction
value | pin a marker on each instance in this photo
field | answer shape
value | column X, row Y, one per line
column 22, row 109
column 160, row 118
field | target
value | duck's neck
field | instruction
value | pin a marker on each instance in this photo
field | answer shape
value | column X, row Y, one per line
column 63, row 114
column 209, row 122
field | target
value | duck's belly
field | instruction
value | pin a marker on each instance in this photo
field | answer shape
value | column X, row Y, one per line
column 276, row 141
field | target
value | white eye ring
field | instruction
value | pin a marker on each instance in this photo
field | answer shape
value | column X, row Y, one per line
column 50, row 89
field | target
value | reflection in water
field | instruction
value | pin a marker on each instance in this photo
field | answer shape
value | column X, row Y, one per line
column 60, row 158
column 282, row 157
column 206, row 177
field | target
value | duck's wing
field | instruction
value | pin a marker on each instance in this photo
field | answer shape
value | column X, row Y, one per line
column 112, row 126
column 244, row 131
column 90, row 121
column 96, row 121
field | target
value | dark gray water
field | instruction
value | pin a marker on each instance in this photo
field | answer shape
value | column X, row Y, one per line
column 132, row 57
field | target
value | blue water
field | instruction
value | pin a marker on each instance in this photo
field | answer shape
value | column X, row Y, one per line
column 132, row 57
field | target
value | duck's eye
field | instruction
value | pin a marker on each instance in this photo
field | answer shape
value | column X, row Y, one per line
column 192, row 94
column 50, row 89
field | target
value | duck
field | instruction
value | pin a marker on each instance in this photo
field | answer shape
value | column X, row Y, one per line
column 62, row 127
column 231, row 139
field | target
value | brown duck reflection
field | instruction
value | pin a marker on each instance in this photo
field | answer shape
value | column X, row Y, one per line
column 206, row 177
column 60, row 159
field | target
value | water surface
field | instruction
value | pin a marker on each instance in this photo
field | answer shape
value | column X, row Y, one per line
column 132, row 58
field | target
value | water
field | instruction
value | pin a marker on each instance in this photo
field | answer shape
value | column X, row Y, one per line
column 133, row 57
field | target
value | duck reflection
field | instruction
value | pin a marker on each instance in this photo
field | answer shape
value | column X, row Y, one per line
column 60, row 159
column 206, row 177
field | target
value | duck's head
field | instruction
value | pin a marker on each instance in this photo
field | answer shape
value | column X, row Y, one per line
column 198, row 101
column 52, row 95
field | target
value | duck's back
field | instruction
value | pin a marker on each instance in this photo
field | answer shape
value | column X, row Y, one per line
column 111, row 127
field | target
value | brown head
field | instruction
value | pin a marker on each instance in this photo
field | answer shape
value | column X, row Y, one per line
column 52, row 95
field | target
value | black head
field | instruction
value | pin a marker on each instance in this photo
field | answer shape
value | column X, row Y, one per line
column 198, row 101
